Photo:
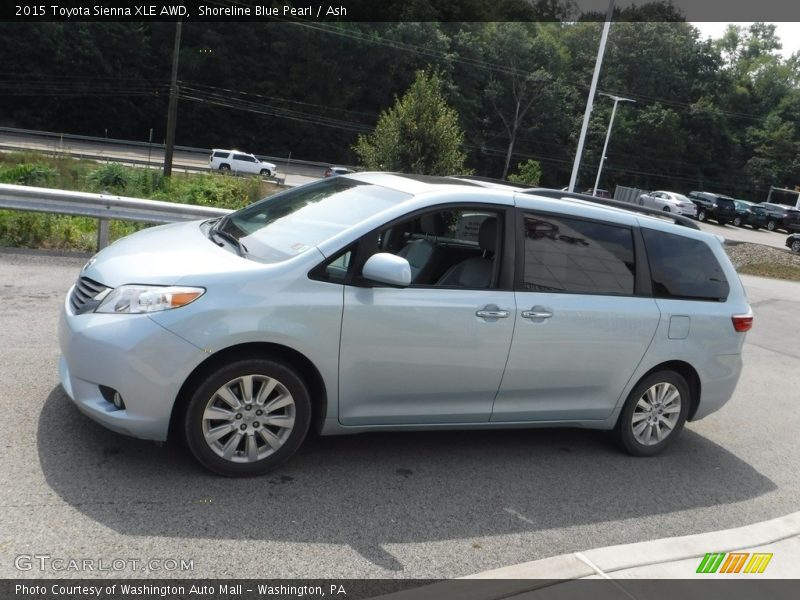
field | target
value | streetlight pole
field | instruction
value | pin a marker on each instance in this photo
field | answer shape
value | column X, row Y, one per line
column 617, row 100
column 590, row 100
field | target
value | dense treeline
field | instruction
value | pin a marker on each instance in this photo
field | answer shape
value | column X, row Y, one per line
column 717, row 115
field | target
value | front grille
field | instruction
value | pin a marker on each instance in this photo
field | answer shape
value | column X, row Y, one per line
column 83, row 294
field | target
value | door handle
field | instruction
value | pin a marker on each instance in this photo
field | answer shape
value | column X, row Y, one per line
column 492, row 313
column 536, row 314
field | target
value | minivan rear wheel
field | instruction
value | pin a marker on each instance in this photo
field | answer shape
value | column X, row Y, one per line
column 701, row 216
column 654, row 414
column 247, row 417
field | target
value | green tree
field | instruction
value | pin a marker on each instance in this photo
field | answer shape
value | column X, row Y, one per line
column 528, row 172
column 419, row 134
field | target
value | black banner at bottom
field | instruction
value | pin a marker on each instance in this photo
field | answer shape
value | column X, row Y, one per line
column 399, row 589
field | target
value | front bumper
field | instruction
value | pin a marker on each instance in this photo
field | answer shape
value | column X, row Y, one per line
column 132, row 354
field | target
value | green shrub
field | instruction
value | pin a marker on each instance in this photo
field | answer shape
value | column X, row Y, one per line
column 110, row 177
column 43, row 230
column 35, row 174
column 529, row 172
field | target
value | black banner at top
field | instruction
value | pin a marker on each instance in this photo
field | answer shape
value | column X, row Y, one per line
column 396, row 10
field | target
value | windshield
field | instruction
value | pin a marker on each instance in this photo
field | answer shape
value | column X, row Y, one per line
column 284, row 225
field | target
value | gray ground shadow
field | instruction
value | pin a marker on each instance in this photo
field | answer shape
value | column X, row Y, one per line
column 374, row 489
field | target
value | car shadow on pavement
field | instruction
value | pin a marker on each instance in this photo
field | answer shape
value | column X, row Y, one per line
column 371, row 490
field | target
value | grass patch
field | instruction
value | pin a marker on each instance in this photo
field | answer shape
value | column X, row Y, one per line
column 44, row 230
column 775, row 271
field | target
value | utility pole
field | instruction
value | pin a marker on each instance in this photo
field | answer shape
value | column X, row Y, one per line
column 617, row 100
column 172, row 114
column 590, row 101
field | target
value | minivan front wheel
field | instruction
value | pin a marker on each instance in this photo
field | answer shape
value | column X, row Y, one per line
column 247, row 417
column 654, row 414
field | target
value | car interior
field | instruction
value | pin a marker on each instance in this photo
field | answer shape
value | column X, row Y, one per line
column 448, row 248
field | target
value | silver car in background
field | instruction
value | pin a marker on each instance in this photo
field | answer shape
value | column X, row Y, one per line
column 377, row 302
column 670, row 202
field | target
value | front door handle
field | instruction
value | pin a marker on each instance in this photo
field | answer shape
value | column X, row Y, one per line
column 536, row 314
column 492, row 312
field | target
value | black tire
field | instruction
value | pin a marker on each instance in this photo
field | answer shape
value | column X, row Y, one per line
column 701, row 215
column 266, row 173
column 737, row 221
column 666, row 209
column 224, row 167
column 205, row 396
column 796, row 246
column 772, row 225
column 624, row 430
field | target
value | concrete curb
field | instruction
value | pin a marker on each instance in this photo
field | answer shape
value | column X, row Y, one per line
column 604, row 561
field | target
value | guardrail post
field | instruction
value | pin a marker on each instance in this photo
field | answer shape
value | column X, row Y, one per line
column 102, row 233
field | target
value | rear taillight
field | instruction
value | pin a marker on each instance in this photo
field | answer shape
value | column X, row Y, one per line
column 742, row 322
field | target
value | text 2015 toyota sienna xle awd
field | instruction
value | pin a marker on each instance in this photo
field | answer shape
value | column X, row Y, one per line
column 387, row 302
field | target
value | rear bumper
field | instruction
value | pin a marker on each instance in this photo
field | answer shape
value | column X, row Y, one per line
column 718, row 380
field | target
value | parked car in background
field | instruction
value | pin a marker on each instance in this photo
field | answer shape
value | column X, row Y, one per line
column 711, row 206
column 239, row 162
column 378, row 302
column 750, row 213
column 333, row 170
column 670, row 202
column 793, row 242
column 780, row 216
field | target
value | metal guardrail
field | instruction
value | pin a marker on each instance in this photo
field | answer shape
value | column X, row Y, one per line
column 102, row 207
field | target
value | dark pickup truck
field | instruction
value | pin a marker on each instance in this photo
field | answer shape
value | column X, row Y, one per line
column 780, row 216
column 717, row 207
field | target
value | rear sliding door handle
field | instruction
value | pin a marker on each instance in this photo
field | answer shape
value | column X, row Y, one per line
column 536, row 314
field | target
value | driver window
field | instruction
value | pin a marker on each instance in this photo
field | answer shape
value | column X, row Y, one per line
column 455, row 247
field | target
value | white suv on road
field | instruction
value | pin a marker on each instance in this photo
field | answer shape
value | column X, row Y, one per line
column 239, row 162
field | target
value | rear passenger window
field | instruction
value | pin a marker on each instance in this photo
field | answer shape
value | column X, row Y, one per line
column 221, row 154
column 575, row 256
column 684, row 268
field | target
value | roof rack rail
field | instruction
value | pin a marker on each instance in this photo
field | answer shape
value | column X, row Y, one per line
column 558, row 194
column 492, row 180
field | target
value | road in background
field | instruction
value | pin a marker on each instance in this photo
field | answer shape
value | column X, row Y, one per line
column 138, row 153
column 442, row 504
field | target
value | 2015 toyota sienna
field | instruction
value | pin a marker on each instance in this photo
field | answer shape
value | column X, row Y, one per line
column 376, row 301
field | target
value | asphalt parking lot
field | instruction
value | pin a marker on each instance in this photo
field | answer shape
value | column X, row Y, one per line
column 391, row 505
column 776, row 239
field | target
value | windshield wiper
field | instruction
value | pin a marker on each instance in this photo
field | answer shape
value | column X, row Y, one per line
column 241, row 249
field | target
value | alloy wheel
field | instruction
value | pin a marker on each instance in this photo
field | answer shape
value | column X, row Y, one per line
column 656, row 414
column 249, row 418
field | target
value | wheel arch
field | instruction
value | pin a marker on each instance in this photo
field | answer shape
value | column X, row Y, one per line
column 686, row 371
column 289, row 356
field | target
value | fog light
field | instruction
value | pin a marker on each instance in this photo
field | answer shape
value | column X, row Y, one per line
column 113, row 396
column 118, row 401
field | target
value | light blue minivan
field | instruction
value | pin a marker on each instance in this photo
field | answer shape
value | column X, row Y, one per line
column 377, row 301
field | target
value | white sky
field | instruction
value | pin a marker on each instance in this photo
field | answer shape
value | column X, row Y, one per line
column 789, row 34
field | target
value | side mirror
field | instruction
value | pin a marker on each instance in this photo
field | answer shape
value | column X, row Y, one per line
column 387, row 268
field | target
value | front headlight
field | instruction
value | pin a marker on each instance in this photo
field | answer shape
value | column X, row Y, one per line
column 133, row 299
